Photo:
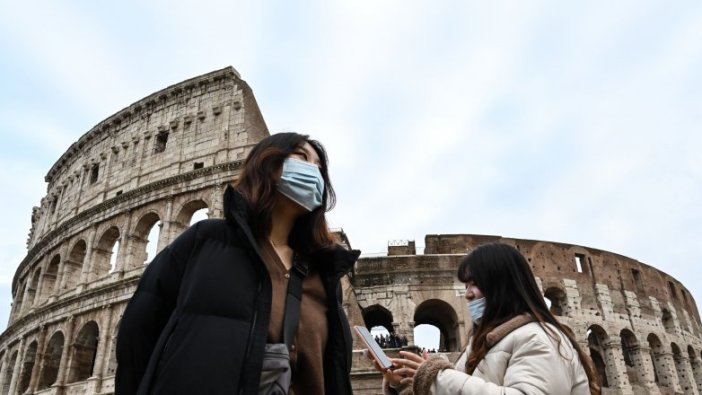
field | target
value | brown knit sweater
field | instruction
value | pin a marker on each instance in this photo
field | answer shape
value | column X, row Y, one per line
column 308, row 355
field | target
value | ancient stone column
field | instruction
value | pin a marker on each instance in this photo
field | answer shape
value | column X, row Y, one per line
column 696, row 366
column 687, row 384
column 87, row 261
column 3, row 363
column 123, row 255
column 17, row 368
column 67, row 350
column 38, row 362
column 644, row 366
column 164, row 236
column 104, row 342
column 616, row 369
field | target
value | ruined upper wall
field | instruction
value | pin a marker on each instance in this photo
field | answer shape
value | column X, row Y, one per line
column 553, row 261
column 204, row 121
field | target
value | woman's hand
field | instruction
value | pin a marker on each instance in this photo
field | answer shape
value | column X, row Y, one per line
column 407, row 366
column 403, row 369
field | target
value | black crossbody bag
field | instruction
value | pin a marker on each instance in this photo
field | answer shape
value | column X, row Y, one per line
column 276, row 374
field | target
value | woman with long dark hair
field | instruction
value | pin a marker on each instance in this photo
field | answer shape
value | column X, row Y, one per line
column 210, row 304
column 516, row 345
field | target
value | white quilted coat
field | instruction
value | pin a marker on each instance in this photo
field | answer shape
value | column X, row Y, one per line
column 525, row 361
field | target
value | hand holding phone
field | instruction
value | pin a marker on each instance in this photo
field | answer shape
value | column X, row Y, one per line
column 373, row 347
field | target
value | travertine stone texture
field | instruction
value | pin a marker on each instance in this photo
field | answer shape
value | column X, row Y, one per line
column 640, row 325
column 154, row 163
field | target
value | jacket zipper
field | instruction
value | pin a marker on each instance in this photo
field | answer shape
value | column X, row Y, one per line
column 249, row 346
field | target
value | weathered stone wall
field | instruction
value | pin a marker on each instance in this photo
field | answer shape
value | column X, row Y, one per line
column 69, row 292
column 641, row 326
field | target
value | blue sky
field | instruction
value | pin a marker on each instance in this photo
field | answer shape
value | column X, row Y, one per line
column 577, row 123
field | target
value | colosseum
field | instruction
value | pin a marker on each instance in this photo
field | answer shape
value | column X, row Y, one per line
column 152, row 167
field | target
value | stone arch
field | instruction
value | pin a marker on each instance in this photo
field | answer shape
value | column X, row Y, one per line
column 112, row 363
column 443, row 316
column 696, row 366
column 668, row 321
column 597, row 339
column 681, row 367
column 659, row 361
column 377, row 315
column 51, row 360
column 103, row 253
column 9, row 372
column 73, row 266
column 84, row 353
column 187, row 211
column 27, row 367
column 48, row 286
column 140, row 238
column 633, row 359
column 32, row 287
column 558, row 299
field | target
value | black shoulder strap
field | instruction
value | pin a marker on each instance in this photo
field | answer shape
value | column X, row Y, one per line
column 293, row 299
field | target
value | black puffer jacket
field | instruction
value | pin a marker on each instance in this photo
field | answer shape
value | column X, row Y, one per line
column 197, row 323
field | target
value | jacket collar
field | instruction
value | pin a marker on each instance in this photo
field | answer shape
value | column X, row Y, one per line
column 333, row 260
column 505, row 329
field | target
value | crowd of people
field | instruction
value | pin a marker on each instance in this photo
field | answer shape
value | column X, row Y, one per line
column 391, row 340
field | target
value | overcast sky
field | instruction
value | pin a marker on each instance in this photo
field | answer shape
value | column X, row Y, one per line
column 550, row 120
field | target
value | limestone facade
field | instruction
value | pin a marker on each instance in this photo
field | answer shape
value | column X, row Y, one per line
column 640, row 325
column 154, row 163
column 161, row 159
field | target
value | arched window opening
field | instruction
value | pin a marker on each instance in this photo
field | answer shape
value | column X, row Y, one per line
column 199, row 215
column 680, row 368
column 105, row 253
column 49, row 279
column 440, row 314
column 74, row 265
column 192, row 212
column 145, row 239
column 600, row 366
column 632, row 357
column 52, row 360
column 84, row 352
column 558, row 302
column 596, row 339
column 377, row 315
column 7, row 379
column 27, row 367
column 427, row 337
column 114, row 255
column 668, row 322
column 658, row 361
column 32, row 288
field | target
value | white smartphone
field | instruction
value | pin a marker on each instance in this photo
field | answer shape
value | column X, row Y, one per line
column 373, row 347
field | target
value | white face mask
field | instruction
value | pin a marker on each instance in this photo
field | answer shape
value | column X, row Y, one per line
column 302, row 183
column 476, row 307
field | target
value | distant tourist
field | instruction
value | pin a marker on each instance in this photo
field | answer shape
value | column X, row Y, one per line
column 516, row 345
column 209, row 315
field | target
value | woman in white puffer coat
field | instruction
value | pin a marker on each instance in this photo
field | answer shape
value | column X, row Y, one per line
column 516, row 346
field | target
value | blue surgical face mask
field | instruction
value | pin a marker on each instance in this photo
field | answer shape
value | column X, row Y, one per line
column 302, row 183
column 476, row 307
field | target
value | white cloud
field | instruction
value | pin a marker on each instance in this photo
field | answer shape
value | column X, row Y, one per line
column 565, row 122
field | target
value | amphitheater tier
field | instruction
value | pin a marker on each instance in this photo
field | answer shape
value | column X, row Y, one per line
column 154, row 163
column 640, row 325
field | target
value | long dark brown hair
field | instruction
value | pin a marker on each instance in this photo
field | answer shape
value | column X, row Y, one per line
column 503, row 276
column 258, row 184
